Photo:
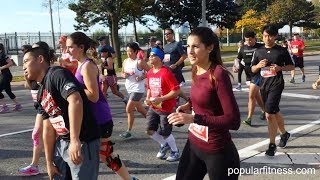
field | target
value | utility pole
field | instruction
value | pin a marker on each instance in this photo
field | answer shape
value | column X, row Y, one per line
column 203, row 10
column 52, row 29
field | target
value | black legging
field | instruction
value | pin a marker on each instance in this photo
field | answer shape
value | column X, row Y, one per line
column 195, row 164
column 247, row 70
column 5, row 85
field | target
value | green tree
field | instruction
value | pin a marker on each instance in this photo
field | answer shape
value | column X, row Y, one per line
column 257, row 5
column 292, row 12
column 110, row 13
column 134, row 11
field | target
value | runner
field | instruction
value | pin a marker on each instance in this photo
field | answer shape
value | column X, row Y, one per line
column 162, row 89
column 174, row 59
column 5, row 80
column 25, row 48
column 109, row 75
column 209, row 148
column 133, row 70
column 270, row 61
column 88, row 75
column 246, row 53
column 33, row 168
column 62, row 103
column 159, row 43
column 152, row 44
column 102, row 43
column 296, row 47
column 66, row 60
column 238, row 65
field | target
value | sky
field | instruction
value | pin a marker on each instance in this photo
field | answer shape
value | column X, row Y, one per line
column 31, row 16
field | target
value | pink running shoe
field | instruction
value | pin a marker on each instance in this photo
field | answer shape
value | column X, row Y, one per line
column 4, row 109
column 30, row 170
column 18, row 107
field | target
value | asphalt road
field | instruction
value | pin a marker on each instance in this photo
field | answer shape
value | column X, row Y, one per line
column 299, row 106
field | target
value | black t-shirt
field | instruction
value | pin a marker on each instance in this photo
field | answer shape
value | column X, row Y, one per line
column 246, row 53
column 275, row 55
column 57, row 85
column 3, row 62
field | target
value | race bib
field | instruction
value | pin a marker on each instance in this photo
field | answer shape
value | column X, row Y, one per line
column 166, row 58
column 34, row 95
column 295, row 50
column 199, row 131
column 266, row 72
column 59, row 125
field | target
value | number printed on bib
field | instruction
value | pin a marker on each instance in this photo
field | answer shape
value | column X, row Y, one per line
column 266, row 72
column 59, row 125
column 166, row 58
column 199, row 131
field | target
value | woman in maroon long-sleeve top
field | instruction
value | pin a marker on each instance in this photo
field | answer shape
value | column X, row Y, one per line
column 209, row 148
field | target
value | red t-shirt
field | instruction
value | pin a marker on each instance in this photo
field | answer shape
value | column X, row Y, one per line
column 296, row 47
column 217, row 108
column 160, row 84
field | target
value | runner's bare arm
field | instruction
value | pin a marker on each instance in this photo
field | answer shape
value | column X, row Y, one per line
column 49, row 138
column 90, row 74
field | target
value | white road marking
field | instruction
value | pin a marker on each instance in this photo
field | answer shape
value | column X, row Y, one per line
column 14, row 133
column 304, row 96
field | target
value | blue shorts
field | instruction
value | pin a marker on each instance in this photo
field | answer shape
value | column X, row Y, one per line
column 257, row 81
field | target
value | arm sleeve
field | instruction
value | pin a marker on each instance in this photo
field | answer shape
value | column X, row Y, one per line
column 231, row 114
column 65, row 82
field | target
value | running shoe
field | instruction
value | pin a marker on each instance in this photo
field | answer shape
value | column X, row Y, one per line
column 174, row 156
column 247, row 121
column 263, row 116
column 292, row 81
column 17, row 107
column 4, row 109
column 134, row 178
column 303, row 79
column 163, row 151
column 30, row 170
column 271, row 151
column 238, row 87
column 284, row 139
column 126, row 135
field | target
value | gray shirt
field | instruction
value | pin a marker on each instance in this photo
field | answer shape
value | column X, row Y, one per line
column 173, row 52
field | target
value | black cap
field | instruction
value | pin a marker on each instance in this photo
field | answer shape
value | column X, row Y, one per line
column 104, row 49
column 101, row 38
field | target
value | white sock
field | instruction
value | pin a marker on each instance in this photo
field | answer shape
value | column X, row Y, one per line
column 172, row 143
column 157, row 137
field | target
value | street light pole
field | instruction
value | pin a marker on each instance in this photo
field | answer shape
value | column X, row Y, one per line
column 52, row 29
column 203, row 10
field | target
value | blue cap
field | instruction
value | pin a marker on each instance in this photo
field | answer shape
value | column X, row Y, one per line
column 157, row 52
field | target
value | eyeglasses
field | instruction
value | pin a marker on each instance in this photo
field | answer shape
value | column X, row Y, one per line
column 166, row 34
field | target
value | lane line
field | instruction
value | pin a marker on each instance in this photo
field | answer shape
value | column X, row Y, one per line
column 304, row 96
column 14, row 133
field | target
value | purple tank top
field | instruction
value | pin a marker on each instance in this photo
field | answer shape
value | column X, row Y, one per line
column 101, row 108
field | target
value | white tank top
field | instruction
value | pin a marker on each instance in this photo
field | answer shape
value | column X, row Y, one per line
column 131, row 67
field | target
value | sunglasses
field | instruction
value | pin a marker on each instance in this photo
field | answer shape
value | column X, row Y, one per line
column 158, row 44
